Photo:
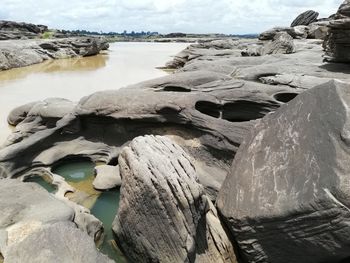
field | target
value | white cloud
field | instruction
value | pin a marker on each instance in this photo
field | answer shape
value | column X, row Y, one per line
column 198, row 16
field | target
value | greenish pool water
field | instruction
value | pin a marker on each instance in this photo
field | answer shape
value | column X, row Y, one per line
column 43, row 182
column 103, row 205
column 75, row 171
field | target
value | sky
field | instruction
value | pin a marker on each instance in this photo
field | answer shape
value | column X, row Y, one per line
column 163, row 16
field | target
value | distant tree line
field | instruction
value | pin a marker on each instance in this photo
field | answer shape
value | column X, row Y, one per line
column 124, row 33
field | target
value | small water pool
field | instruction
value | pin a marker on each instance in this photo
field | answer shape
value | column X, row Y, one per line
column 102, row 204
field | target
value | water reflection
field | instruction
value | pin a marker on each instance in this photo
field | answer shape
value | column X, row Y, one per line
column 52, row 66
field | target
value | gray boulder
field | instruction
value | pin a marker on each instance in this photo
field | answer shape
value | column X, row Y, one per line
column 164, row 214
column 305, row 19
column 282, row 44
column 107, row 177
column 290, row 198
column 318, row 30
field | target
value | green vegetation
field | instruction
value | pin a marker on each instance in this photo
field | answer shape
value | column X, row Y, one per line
column 47, row 35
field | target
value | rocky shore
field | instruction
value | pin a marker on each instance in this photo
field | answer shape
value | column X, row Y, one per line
column 241, row 155
column 22, row 45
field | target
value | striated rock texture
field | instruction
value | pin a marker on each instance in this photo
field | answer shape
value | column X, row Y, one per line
column 282, row 44
column 290, row 198
column 305, row 19
column 337, row 41
column 20, row 53
column 164, row 214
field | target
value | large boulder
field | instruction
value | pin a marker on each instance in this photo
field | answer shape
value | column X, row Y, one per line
column 282, row 44
column 305, row 19
column 337, row 41
column 287, row 195
column 164, row 214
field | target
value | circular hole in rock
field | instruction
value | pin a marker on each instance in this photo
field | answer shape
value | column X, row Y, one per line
column 209, row 108
column 285, row 97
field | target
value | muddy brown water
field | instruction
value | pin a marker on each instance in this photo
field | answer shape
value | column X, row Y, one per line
column 122, row 65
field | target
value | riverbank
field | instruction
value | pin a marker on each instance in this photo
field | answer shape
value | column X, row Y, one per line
column 218, row 159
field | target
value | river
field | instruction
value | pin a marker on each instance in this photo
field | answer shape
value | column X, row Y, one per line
column 122, row 65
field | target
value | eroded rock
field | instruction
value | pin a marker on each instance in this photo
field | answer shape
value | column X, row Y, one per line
column 60, row 242
column 290, row 198
column 164, row 214
column 305, row 19
column 337, row 41
column 107, row 177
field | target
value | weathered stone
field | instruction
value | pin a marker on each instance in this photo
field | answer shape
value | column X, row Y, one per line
column 56, row 243
column 305, row 19
column 282, row 44
column 175, row 221
column 20, row 53
column 107, row 177
column 293, row 32
column 337, row 41
column 26, row 207
column 318, row 30
column 290, row 198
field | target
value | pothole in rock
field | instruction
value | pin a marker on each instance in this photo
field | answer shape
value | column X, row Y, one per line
column 102, row 204
column 241, row 111
column 209, row 108
column 238, row 111
column 174, row 88
column 285, row 97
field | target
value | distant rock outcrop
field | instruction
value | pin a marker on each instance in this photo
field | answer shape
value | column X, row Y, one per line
column 20, row 53
column 305, row 19
column 337, row 42
column 287, row 194
column 15, row 30
column 164, row 214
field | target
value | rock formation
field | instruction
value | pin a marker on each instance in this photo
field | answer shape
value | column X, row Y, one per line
column 337, row 41
column 14, row 30
column 305, row 18
column 164, row 214
column 36, row 227
column 282, row 43
column 213, row 100
column 60, row 242
column 107, row 177
column 290, row 198
column 20, row 53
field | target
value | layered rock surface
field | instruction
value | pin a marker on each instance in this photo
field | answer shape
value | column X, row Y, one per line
column 305, row 19
column 337, row 42
column 290, row 198
column 164, row 214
